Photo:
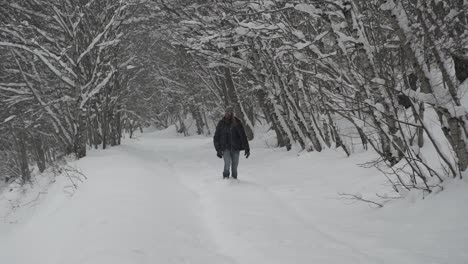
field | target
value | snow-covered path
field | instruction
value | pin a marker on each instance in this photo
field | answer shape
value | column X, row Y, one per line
column 246, row 222
column 161, row 199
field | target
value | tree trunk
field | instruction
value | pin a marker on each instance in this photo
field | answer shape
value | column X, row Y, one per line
column 22, row 155
column 198, row 120
column 281, row 136
column 236, row 103
column 40, row 154
column 79, row 147
column 455, row 135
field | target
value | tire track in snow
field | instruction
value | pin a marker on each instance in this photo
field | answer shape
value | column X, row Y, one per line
column 235, row 226
column 152, row 153
column 250, row 223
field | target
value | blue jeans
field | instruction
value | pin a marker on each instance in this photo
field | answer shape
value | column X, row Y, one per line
column 231, row 160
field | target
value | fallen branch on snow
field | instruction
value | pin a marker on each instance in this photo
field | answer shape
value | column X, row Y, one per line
column 358, row 198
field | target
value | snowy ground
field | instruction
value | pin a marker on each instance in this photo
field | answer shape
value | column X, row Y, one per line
column 161, row 199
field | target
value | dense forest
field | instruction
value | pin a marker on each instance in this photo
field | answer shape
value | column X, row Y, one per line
column 336, row 74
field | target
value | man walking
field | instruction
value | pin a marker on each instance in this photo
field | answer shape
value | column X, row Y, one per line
column 229, row 140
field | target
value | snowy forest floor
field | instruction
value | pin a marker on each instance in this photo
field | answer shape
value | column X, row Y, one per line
column 160, row 199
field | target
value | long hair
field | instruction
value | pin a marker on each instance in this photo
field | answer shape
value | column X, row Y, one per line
column 233, row 121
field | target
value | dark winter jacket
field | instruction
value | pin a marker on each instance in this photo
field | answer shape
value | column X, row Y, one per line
column 230, row 135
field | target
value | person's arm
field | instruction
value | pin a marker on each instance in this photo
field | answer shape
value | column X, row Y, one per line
column 245, row 141
column 216, row 137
